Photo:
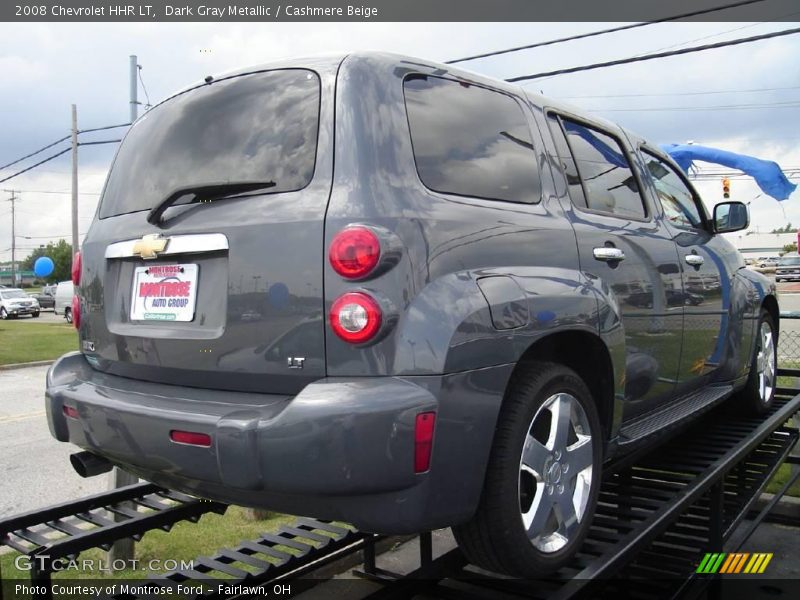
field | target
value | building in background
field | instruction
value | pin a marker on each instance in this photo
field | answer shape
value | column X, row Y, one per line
column 754, row 246
column 23, row 277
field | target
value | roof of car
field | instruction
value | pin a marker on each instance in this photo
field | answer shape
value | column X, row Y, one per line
column 390, row 60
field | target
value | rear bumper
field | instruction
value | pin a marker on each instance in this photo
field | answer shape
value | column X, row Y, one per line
column 341, row 448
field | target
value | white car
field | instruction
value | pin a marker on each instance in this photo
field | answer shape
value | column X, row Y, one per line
column 63, row 295
column 15, row 302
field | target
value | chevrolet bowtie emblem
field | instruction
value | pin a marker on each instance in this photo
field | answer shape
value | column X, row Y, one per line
column 150, row 245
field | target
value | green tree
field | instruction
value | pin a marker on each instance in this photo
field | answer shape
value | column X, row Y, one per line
column 61, row 255
column 790, row 247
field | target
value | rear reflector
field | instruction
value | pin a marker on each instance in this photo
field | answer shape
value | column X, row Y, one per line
column 192, row 438
column 71, row 412
column 423, row 441
column 76, row 312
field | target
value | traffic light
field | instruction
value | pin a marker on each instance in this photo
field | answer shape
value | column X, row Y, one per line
column 726, row 188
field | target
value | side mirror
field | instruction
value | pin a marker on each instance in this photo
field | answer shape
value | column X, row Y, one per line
column 731, row 216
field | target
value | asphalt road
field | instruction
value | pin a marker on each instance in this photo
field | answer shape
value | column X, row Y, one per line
column 34, row 467
column 46, row 316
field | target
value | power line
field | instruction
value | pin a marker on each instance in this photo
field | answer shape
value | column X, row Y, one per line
column 600, row 32
column 774, row 89
column 41, row 162
column 100, row 142
column 34, row 153
column 713, row 35
column 146, row 95
column 645, row 57
column 104, row 128
column 58, row 141
column 57, row 192
column 47, row 237
column 789, row 104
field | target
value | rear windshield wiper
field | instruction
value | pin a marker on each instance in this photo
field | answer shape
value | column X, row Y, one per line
column 204, row 193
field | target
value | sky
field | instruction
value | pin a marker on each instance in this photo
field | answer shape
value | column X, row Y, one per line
column 741, row 98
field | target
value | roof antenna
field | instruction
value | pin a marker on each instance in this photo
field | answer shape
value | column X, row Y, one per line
column 209, row 78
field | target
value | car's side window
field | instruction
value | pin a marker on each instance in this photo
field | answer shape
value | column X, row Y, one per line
column 609, row 183
column 471, row 141
column 677, row 200
column 567, row 161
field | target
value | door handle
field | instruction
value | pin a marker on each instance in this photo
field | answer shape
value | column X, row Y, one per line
column 607, row 254
column 694, row 259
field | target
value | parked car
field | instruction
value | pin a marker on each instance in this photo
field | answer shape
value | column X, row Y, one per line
column 788, row 268
column 768, row 263
column 45, row 298
column 16, row 303
column 465, row 278
column 63, row 299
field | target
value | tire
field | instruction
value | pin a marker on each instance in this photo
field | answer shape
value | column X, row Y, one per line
column 538, row 495
column 759, row 392
column 68, row 315
column 3, row 313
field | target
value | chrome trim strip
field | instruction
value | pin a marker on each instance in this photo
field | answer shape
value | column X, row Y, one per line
column 178, row 244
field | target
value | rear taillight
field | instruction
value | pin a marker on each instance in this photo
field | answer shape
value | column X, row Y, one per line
column 423, row 441
column 190, row 438
column 71, row 412
column 76, row 269
column 76, row 312
column 76, row 281
column 355, row 252
column 356, row 317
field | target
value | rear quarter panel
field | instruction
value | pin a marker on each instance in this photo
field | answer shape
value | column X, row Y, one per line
column 444, row 320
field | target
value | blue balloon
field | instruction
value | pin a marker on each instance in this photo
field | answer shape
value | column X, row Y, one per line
column 43, row 266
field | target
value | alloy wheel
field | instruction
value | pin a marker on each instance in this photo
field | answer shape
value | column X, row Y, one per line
column 555, row 473
column 765, row 362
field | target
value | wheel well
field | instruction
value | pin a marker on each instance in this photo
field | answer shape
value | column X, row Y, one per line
column 770, row 304
column 588, row 356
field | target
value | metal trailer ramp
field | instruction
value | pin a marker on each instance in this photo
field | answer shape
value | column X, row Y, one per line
column 659, row 512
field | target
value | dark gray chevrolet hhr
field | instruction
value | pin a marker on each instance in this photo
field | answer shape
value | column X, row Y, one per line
column 383, row 290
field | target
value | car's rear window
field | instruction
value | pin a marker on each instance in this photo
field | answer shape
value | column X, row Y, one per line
column 471, row 141
column 252, row 128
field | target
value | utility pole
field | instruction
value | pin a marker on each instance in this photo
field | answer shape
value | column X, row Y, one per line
column 134, row 66
column 124, row 550
column 13, row 239
column 75, row 242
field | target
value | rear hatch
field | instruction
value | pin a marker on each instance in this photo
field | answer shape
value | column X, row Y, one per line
column 203, row 266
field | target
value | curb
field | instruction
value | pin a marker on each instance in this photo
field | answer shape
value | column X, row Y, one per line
column 35, row 363
column 787, row 507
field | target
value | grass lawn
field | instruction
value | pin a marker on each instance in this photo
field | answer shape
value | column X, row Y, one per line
column 781, row 477
column 185, row 542
column 24, row 342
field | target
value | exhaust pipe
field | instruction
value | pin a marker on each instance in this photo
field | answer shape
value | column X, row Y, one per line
column 87, row 464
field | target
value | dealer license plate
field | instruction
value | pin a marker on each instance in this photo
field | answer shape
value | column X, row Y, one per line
column 164, row 293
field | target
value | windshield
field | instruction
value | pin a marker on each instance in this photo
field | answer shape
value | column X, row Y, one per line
column 14, row 294
column 791, row 261
column 250, row 128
